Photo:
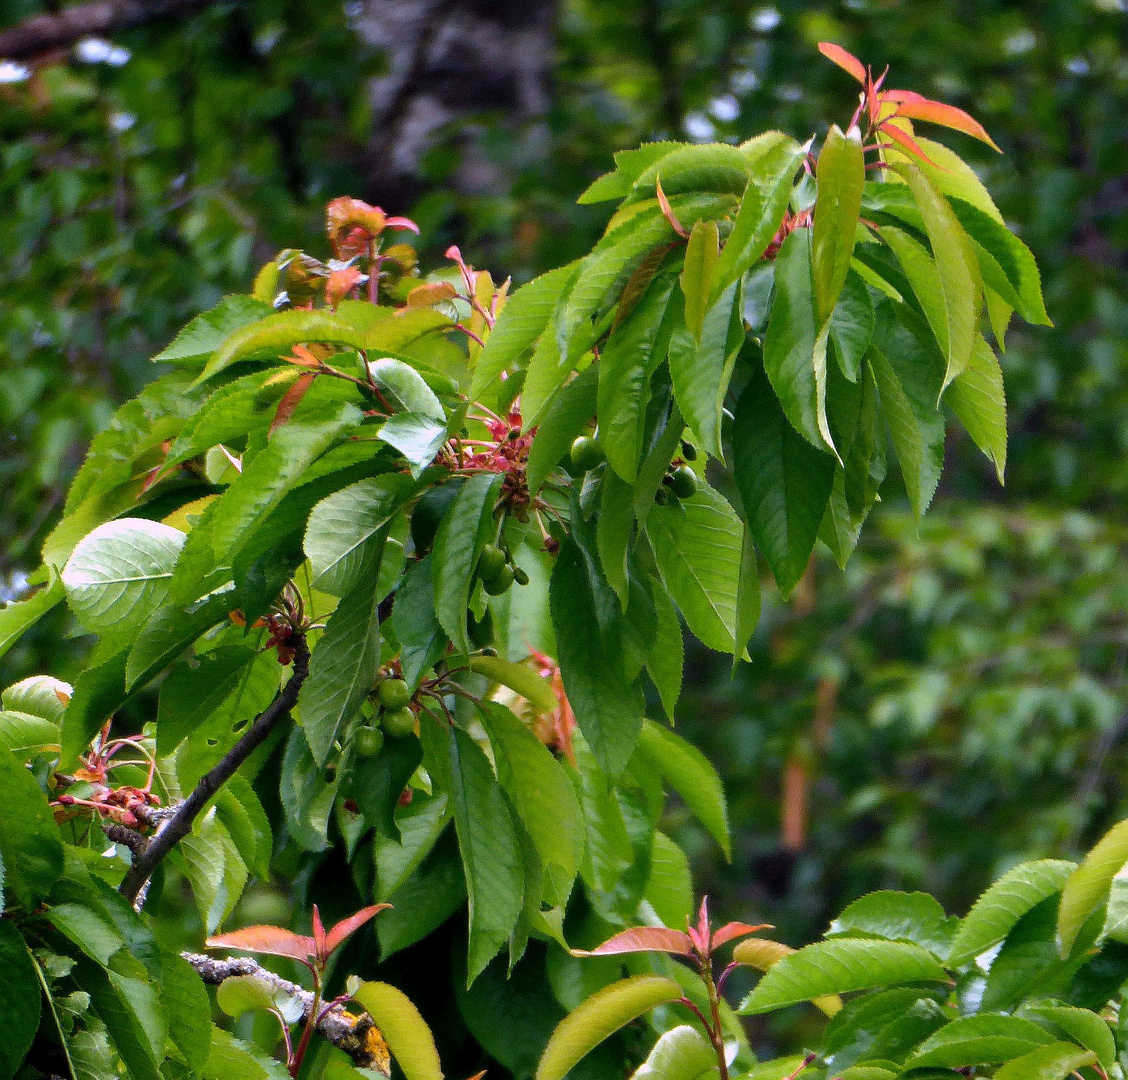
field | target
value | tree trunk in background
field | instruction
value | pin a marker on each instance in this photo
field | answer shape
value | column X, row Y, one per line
column 450, row 60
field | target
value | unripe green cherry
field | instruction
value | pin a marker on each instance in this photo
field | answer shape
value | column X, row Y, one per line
column 683, row 482
column 662, row 495
column 399, row 723
column 495, row 586
column 368, row 741
column 689, row 451
column 586, row 453
column 490, row 562
column 520, row 576
column 394, row 693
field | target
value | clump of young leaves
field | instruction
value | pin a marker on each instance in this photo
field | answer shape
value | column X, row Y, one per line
column 452, row 534
column 1027, row 986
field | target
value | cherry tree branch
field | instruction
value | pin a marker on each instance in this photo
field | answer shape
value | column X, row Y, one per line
column 50, row 31
column 344, row 1030
column 174, row 828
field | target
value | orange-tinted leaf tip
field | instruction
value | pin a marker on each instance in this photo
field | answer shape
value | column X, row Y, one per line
column 668, row 210
column 847, row 61
column 908, row 143
column 917, row 107
column 733, row 930
column 346, row 927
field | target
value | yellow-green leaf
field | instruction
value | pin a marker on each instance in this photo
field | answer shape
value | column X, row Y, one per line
column 841, row 175
column 1088, row 887
column 599, row 1017
column 517, row 677
column 697, row 274
column 406, row 1032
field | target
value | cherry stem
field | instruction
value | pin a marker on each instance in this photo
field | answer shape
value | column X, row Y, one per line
column 808, row 1060
column 311, row 1022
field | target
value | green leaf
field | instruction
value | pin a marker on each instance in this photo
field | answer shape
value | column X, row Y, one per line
column 1053, row 1062
column 405, row 389
column 851, row 325
column 691, row 775
column 697, row 544
column 978, row 1040
column 600, row 1016
column 39, row 695
column 566, row 416
column 30, row 848
column 119, row 574
column 908, row 377
column 978, row 400
column 666, row 660
column 344, row 662
column 214, row 869
column 682, row 1053
column 242, row 993
column 608, row 708
column 697, row 274
column 20, row 999
column 1087, row 889
column 206, row 332
column 417, row 436
column 407, row 1034
column 762, row 208
column 233, row 1059
column 465, row 530
column 960, row 281
column 838, row 967
column 712, row 167
column 669, row 889
column 898, row 916
column 224, row 687
column 25, row 735
column 274, row 335
column 17, row 617
column 542, row 795
column 343, row 526
column 91, row 931
column 626, row 365
column 629, row 166
column 491, row 857
column 422, row 640
column 841, row 175
column 130, row 1009
column 524, row 318
column 701, row 367
column 790, row 359
column 1081, row 1025
column 614, row 530
column 232, row 518
column 518, row 677
column 1004, row 903
column 784, row 483
column 184, row 998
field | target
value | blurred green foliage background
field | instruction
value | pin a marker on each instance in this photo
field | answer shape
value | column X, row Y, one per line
column 953, row 703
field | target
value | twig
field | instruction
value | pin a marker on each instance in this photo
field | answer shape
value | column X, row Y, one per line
column 344, row 1030
column 122, row 834
column 44, row 33
column 179, row 825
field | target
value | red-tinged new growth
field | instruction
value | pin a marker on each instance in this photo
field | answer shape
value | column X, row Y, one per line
column 697, row 944
column 883, row 107
column 313, row 950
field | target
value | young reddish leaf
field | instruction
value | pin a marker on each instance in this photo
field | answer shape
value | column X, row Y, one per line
column 699, row 934
column 271, row 940
column 319, row 935
column 347, row 927
column 340, row 283
column 847, row 61
column 431, row 292
column 907, row 142
column 290, row 401
column 642, row 939
column 917, row 107
column 402, row 224
column 733, row 930
column 668, row 210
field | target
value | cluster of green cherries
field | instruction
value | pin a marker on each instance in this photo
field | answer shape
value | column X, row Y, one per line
column 394, row 719
column 497, row 571
column 680, row 481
